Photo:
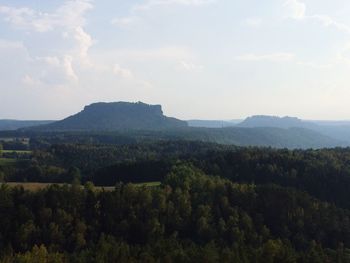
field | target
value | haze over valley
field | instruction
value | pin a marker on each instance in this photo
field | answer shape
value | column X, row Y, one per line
column 138, row 118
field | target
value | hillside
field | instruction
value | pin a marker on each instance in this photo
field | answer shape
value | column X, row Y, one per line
column 260, row 136
column 213, row 123
column 123, row 123
column 274, row 121
column 116, row 116
column 339, row 130
column 8, row 125
column 176, row 202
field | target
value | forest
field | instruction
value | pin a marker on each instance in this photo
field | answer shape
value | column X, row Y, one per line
column 174, row 131
column 208, row 203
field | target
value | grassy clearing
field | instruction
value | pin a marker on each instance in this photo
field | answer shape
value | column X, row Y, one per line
column 7, row 161
column 149, row 184
column 30, row 186
column 17, row 151
column 40, row 186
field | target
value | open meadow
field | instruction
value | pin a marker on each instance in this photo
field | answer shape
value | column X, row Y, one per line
column 40, row 186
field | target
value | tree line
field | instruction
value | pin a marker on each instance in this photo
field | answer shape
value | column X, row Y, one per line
column 191, row 217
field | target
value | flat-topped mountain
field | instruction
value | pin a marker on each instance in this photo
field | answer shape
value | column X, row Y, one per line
column 116, row 116
column 274, row 121
column 135, row 122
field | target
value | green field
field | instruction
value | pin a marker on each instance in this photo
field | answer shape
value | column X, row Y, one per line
column 40, row 186
column 7, row 161
column 17, row 151
column 149, row 184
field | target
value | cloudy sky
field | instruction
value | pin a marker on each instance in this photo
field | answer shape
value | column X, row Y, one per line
column 208, row 59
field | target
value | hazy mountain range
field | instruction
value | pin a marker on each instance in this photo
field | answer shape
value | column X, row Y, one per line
column 7, row 125
column 143, row 120
column 213, row 123
column 273, row 121
column 339, row 130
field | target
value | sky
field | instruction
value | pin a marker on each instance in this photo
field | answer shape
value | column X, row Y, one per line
column 199, row 59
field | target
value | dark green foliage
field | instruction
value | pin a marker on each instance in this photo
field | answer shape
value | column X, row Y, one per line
column 215, row 203
column 292, row 138
column 190, row 218
column 322, row 173
column 273, row 137
column 133, row 172
column 15, row 145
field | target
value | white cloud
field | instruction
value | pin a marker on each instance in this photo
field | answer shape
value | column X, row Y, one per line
column 69, row 15
column 52, row 61
column 135, row 10
column 253, row 22
column 188, row 66
column 30, row 81
column 273, row 57
column 68, row 67
column 52, row 70
column 344, row 54
column 68, row 20
column 283, row 57
column 315, row 65
column 36, row 70
column 329, row 21
column 153, row 3
column 122, row 72
column 297, row 9
column 84, row 41
column 73, row 12
column 6, row 44
column 19, row 17
column 167, row 53
column 125, row 21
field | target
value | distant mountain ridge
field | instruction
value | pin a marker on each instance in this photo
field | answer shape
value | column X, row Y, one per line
column 213, row 123
column 10, row 125
column 135, row 122
column 292, row 138
column 277, row 122
column 339, row 130
column 116, row 116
